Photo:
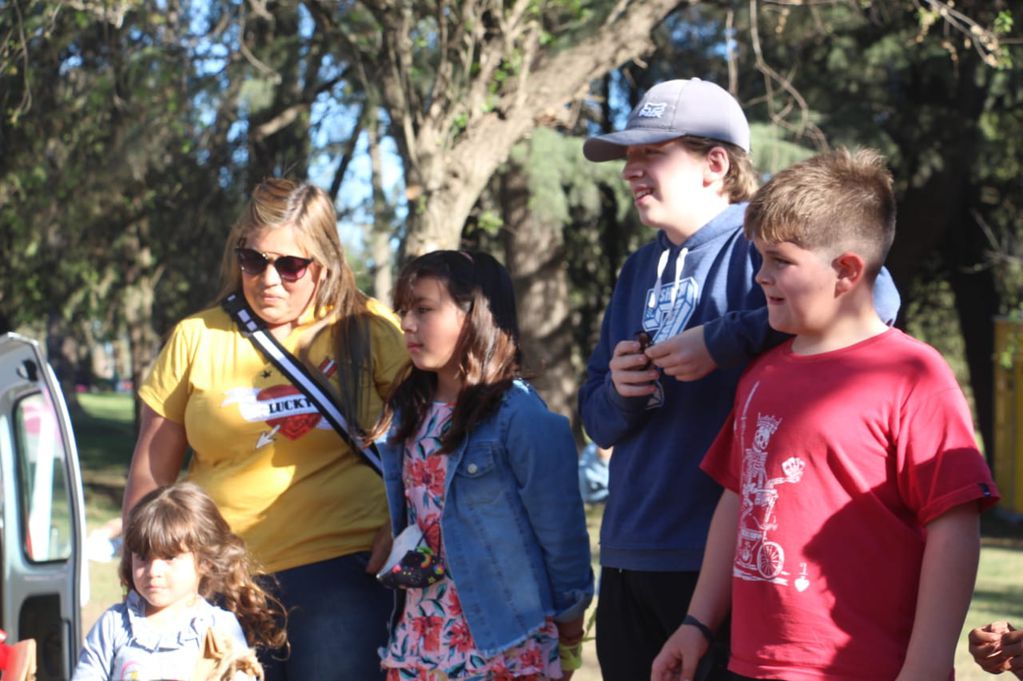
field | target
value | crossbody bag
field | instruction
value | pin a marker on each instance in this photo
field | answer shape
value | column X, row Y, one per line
column 254, row 328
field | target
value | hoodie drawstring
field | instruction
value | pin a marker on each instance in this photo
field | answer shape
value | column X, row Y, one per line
column 680, row 262
column 662, row 263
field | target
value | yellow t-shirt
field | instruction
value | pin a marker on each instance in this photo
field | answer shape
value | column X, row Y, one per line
column 280, row 474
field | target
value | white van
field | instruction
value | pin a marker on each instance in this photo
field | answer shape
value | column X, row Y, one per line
column 43, row 520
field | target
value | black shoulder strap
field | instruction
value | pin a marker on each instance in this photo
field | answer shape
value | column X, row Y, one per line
column 252, row 327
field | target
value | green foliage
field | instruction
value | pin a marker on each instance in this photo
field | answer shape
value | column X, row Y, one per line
column 257, row 94
column 105, row 435
column 127, row 155
column 931, row 315
column 490, row 221
column 564, row 185
column 458, row 124
column 772, row 151
column 999, row 195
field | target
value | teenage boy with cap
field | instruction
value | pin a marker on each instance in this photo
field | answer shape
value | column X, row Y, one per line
column 691, row 290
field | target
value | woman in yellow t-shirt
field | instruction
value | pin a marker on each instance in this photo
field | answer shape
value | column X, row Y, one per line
column 310, row 510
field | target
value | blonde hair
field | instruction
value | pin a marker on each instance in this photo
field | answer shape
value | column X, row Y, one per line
column 741, row 179
column 834, row 201
column 277, row 203
column 182, row 518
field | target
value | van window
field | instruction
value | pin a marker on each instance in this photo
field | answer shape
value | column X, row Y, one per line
column 46, row 510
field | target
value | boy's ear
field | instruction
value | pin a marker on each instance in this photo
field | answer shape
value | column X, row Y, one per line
column 850, row 268
column 717, row 165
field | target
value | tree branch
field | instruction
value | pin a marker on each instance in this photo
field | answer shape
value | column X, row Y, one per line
column 566, row 74
column 985, row 41
column 289, row 114
column 806, row 126
column 440, row 92
column 348, row 152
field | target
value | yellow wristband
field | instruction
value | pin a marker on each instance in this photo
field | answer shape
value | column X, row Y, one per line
column 571, row 656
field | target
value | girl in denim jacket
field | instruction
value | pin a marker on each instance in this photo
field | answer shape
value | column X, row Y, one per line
column 497, row 586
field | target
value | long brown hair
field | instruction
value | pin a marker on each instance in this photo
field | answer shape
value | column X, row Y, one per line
column 277, row 203
column 181, row 518
column 488, row 350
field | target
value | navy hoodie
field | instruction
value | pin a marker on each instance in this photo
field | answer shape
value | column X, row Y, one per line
column 660, row 502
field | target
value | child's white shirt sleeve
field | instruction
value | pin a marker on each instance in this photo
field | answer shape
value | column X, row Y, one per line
column 104, row 639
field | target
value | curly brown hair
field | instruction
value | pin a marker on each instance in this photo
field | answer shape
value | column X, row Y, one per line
column 181, row 518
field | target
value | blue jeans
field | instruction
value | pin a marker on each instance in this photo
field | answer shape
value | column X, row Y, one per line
column 337, row 618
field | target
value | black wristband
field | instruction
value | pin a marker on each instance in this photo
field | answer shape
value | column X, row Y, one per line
column 704, row 629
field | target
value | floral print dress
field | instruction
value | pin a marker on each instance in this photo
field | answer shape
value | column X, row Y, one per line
column 432, row 640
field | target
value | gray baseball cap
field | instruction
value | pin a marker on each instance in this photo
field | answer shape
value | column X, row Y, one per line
column 671, row 109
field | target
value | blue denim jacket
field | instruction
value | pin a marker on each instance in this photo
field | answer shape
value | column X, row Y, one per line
column 513, row 525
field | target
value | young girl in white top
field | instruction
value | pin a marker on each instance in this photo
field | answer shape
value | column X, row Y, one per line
column 178, row 551
column 479, row 465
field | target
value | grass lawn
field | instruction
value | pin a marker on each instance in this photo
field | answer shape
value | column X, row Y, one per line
column 105, row 435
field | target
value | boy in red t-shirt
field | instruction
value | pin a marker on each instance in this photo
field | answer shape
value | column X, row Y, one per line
column 846, row 541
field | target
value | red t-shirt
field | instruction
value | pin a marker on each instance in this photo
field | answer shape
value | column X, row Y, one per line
column 839, row 460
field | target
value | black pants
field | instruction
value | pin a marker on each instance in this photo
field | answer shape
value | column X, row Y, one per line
column 637, row 612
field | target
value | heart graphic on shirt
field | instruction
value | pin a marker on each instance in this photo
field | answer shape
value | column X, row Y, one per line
column 801, row 581
column 293, row 426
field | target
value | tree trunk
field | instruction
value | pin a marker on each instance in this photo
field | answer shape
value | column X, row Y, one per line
column 62, row 355
column 450, row 168
column 279, row 133
column 137, row 303
column 535, row 257
column 454, row 181
column 977, row 305
column 936, row 221
column 380, row 234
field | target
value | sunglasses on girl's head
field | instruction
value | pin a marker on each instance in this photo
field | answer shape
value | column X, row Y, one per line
column 289, row 267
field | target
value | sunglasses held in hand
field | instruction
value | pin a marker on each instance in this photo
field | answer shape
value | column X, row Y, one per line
column 289, row 267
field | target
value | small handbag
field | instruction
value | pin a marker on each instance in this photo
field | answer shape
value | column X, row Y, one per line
column 411, row 564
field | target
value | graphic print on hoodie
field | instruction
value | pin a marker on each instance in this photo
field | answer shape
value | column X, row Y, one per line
column 668, row 309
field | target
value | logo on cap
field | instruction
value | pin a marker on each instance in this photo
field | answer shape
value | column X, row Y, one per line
column 651, row 110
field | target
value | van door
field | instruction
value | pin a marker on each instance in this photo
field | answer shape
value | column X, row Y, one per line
column 43, row 517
